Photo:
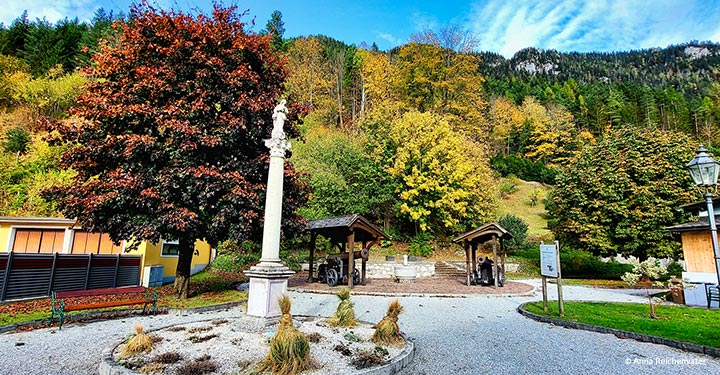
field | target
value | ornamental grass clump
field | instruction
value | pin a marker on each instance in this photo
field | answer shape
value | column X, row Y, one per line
column 345, row 314
column 289, row 349
column 140, row 342
column 387, row 332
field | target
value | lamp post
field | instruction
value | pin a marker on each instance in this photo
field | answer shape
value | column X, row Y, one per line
column 704, row 171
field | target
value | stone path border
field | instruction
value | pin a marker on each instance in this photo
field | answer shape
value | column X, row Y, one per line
column 108, row 366
column 622, row 334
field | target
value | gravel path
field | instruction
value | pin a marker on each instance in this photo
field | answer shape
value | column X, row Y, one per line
column 473, row 335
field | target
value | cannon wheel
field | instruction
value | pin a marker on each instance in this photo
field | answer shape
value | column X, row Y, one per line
column 332, row 277
column 356, row 277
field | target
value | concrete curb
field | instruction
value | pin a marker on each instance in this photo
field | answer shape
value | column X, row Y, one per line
column 108, row 366
column 396, row 364
column 696, row 348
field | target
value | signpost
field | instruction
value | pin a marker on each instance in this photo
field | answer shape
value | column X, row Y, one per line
column 550, row 267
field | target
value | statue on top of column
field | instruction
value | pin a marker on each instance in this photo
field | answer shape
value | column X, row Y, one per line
column 279, row 116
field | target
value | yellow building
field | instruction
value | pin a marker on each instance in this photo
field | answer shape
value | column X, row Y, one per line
column 56, row 235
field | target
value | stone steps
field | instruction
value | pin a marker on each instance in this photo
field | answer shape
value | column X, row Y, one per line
column 445, row 269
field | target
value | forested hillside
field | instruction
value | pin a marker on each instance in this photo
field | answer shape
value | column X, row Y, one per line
column 420, row 137
column 671, row 88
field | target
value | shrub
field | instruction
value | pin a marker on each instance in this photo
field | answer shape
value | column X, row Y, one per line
column 647, row 270
column 534, row 197
column 507, row 187
column 525, row 169
column 583, row 265
column 16, row 140
column 517, row 228
column 420, row 245
column 675, row 269
column 234, row 257
column 577, row 264
column 537, row 239
column 293, row 260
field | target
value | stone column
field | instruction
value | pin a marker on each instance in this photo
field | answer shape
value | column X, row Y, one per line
column 268, row 279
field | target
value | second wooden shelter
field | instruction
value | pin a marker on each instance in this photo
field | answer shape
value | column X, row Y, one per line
column 479, row 236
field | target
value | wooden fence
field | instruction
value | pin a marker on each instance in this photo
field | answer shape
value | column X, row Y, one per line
column 36, row 275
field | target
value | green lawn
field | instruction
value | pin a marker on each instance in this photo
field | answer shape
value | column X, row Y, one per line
column 681, row 323
column 518, row 204
column 206, row 289
column 22, row 317
column 596, row 283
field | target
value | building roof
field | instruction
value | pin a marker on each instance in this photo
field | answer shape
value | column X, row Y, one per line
column 338, row 228
column 696, row 207
column 700, row 224
column 484, row 233
column 36, row 220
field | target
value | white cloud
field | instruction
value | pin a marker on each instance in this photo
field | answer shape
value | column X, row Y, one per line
column 50, row 10
column 423, row 21
column 591, row 25
column 390, row 38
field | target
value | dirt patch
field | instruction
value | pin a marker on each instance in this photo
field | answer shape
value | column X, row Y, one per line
column 441, row 286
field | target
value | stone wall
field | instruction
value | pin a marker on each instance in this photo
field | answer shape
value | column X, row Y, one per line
column 385, row 270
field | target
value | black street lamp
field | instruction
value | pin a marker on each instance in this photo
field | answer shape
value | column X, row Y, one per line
column 704, row 171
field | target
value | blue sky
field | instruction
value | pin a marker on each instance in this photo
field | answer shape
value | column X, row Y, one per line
column 503, row 26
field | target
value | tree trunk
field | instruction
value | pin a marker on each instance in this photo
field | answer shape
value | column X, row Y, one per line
column 182, row 272
column 363, row 99
column 652, row 305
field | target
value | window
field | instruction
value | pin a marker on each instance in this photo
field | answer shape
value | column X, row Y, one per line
column 169, row 248
column 38, row 240
column 85, row 242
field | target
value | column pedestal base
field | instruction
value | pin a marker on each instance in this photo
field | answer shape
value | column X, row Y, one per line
column 268, row 282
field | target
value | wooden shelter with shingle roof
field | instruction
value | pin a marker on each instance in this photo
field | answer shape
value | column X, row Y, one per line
column 344, row 232
column 478, row 236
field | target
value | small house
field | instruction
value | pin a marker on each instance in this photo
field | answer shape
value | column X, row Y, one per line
column 43, row 235
column 697, row 248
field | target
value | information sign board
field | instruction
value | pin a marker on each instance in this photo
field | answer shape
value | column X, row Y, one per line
column 548, row 261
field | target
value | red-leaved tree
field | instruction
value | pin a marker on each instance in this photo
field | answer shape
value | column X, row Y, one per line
column 169, row 141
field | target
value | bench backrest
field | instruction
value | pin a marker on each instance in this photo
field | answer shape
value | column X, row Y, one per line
column 99, row 292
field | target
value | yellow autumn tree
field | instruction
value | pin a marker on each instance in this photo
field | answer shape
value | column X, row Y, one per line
column 445, row 181
column 379, row 78
column 433, row 78
column 309, row 80
column 553, row 136
column 503, row 117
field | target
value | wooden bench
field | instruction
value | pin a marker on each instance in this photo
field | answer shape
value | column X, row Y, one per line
column 63, row 302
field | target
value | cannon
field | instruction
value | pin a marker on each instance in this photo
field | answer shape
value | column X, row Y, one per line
column 484, row 274
column 335, row 268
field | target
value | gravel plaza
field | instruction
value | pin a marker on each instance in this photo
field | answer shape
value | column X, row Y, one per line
column 472, row 334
